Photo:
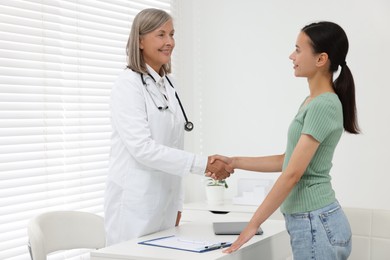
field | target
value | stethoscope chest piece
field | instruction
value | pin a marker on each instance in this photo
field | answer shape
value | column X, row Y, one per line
column 188, row 126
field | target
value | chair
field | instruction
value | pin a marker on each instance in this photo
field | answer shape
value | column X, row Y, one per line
column 64, row 230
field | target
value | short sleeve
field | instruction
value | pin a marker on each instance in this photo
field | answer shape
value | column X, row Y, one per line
column 321, row 119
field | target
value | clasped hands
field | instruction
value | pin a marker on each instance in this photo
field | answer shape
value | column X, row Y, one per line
column 218, row 167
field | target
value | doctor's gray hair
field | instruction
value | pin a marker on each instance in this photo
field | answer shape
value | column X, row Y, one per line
column 144, row 22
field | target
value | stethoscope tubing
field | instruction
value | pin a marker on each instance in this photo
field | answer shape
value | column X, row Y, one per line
column 188, row 126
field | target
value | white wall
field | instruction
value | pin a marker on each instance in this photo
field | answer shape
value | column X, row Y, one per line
column 238, row 86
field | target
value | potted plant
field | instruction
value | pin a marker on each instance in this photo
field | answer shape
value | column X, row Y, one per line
column 215, row 191
column 212, row 182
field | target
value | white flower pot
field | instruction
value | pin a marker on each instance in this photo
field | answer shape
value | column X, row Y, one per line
column 215, row 195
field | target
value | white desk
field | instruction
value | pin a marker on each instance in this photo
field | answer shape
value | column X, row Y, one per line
column 267, row 246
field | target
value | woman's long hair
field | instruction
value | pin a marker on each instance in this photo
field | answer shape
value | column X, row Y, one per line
column 330, row 38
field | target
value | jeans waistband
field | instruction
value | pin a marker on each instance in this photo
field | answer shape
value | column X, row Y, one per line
column 334, row 205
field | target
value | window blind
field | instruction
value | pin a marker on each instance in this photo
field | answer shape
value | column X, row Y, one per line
column 58, row 60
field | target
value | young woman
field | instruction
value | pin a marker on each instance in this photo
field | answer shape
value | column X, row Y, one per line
column 315, row 221
column 144, row 191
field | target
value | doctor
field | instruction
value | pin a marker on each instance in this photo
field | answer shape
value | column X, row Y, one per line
column 144, row 189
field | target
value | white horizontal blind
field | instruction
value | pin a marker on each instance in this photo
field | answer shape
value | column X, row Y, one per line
column 58, row 59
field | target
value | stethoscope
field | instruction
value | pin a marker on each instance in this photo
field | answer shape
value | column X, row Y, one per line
column 188, row 125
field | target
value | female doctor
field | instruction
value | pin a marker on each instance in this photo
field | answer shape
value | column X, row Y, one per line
column 144, row 189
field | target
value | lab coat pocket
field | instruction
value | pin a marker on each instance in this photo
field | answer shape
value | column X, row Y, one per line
column 336, row 226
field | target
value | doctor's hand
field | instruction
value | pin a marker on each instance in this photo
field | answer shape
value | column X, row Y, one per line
column 218, row 169
column 244, row 237
column 227, row 160
column 220, row 158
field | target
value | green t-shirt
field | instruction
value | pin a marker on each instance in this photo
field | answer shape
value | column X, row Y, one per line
column 322, row 118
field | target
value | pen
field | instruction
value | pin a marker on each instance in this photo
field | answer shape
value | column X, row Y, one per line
column 218, row 245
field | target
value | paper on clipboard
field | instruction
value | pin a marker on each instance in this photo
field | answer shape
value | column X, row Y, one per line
column 186, row 244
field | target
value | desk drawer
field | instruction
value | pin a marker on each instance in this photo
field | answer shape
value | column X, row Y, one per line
column 207, row 216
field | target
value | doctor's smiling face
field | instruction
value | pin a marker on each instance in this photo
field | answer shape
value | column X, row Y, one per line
column 157, row 46
column 304, row 58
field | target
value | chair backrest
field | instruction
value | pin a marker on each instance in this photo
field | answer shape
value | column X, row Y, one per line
column 64, row 230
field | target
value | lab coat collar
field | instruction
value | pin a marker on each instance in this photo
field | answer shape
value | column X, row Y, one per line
column 154, row 74
column 170, row 90
column 157, row 78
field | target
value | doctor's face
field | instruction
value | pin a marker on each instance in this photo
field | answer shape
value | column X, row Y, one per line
column 304, row 58
column 157, row 46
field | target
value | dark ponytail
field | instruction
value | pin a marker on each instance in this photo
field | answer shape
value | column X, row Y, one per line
column 344, row 87
column 330, row 38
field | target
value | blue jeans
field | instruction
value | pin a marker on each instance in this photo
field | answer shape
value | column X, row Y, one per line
column 323, row 234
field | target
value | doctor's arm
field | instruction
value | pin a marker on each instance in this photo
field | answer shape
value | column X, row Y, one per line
column 130, row 118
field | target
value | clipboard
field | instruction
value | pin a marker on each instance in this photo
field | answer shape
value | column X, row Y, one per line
column 186, row 244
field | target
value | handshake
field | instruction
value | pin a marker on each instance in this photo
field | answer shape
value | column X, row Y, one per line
column 219, row 167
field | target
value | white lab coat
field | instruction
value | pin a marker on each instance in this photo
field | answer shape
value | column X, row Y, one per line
column 144, row 189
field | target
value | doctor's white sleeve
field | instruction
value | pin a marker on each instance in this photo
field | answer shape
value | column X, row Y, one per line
column 199, row 165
